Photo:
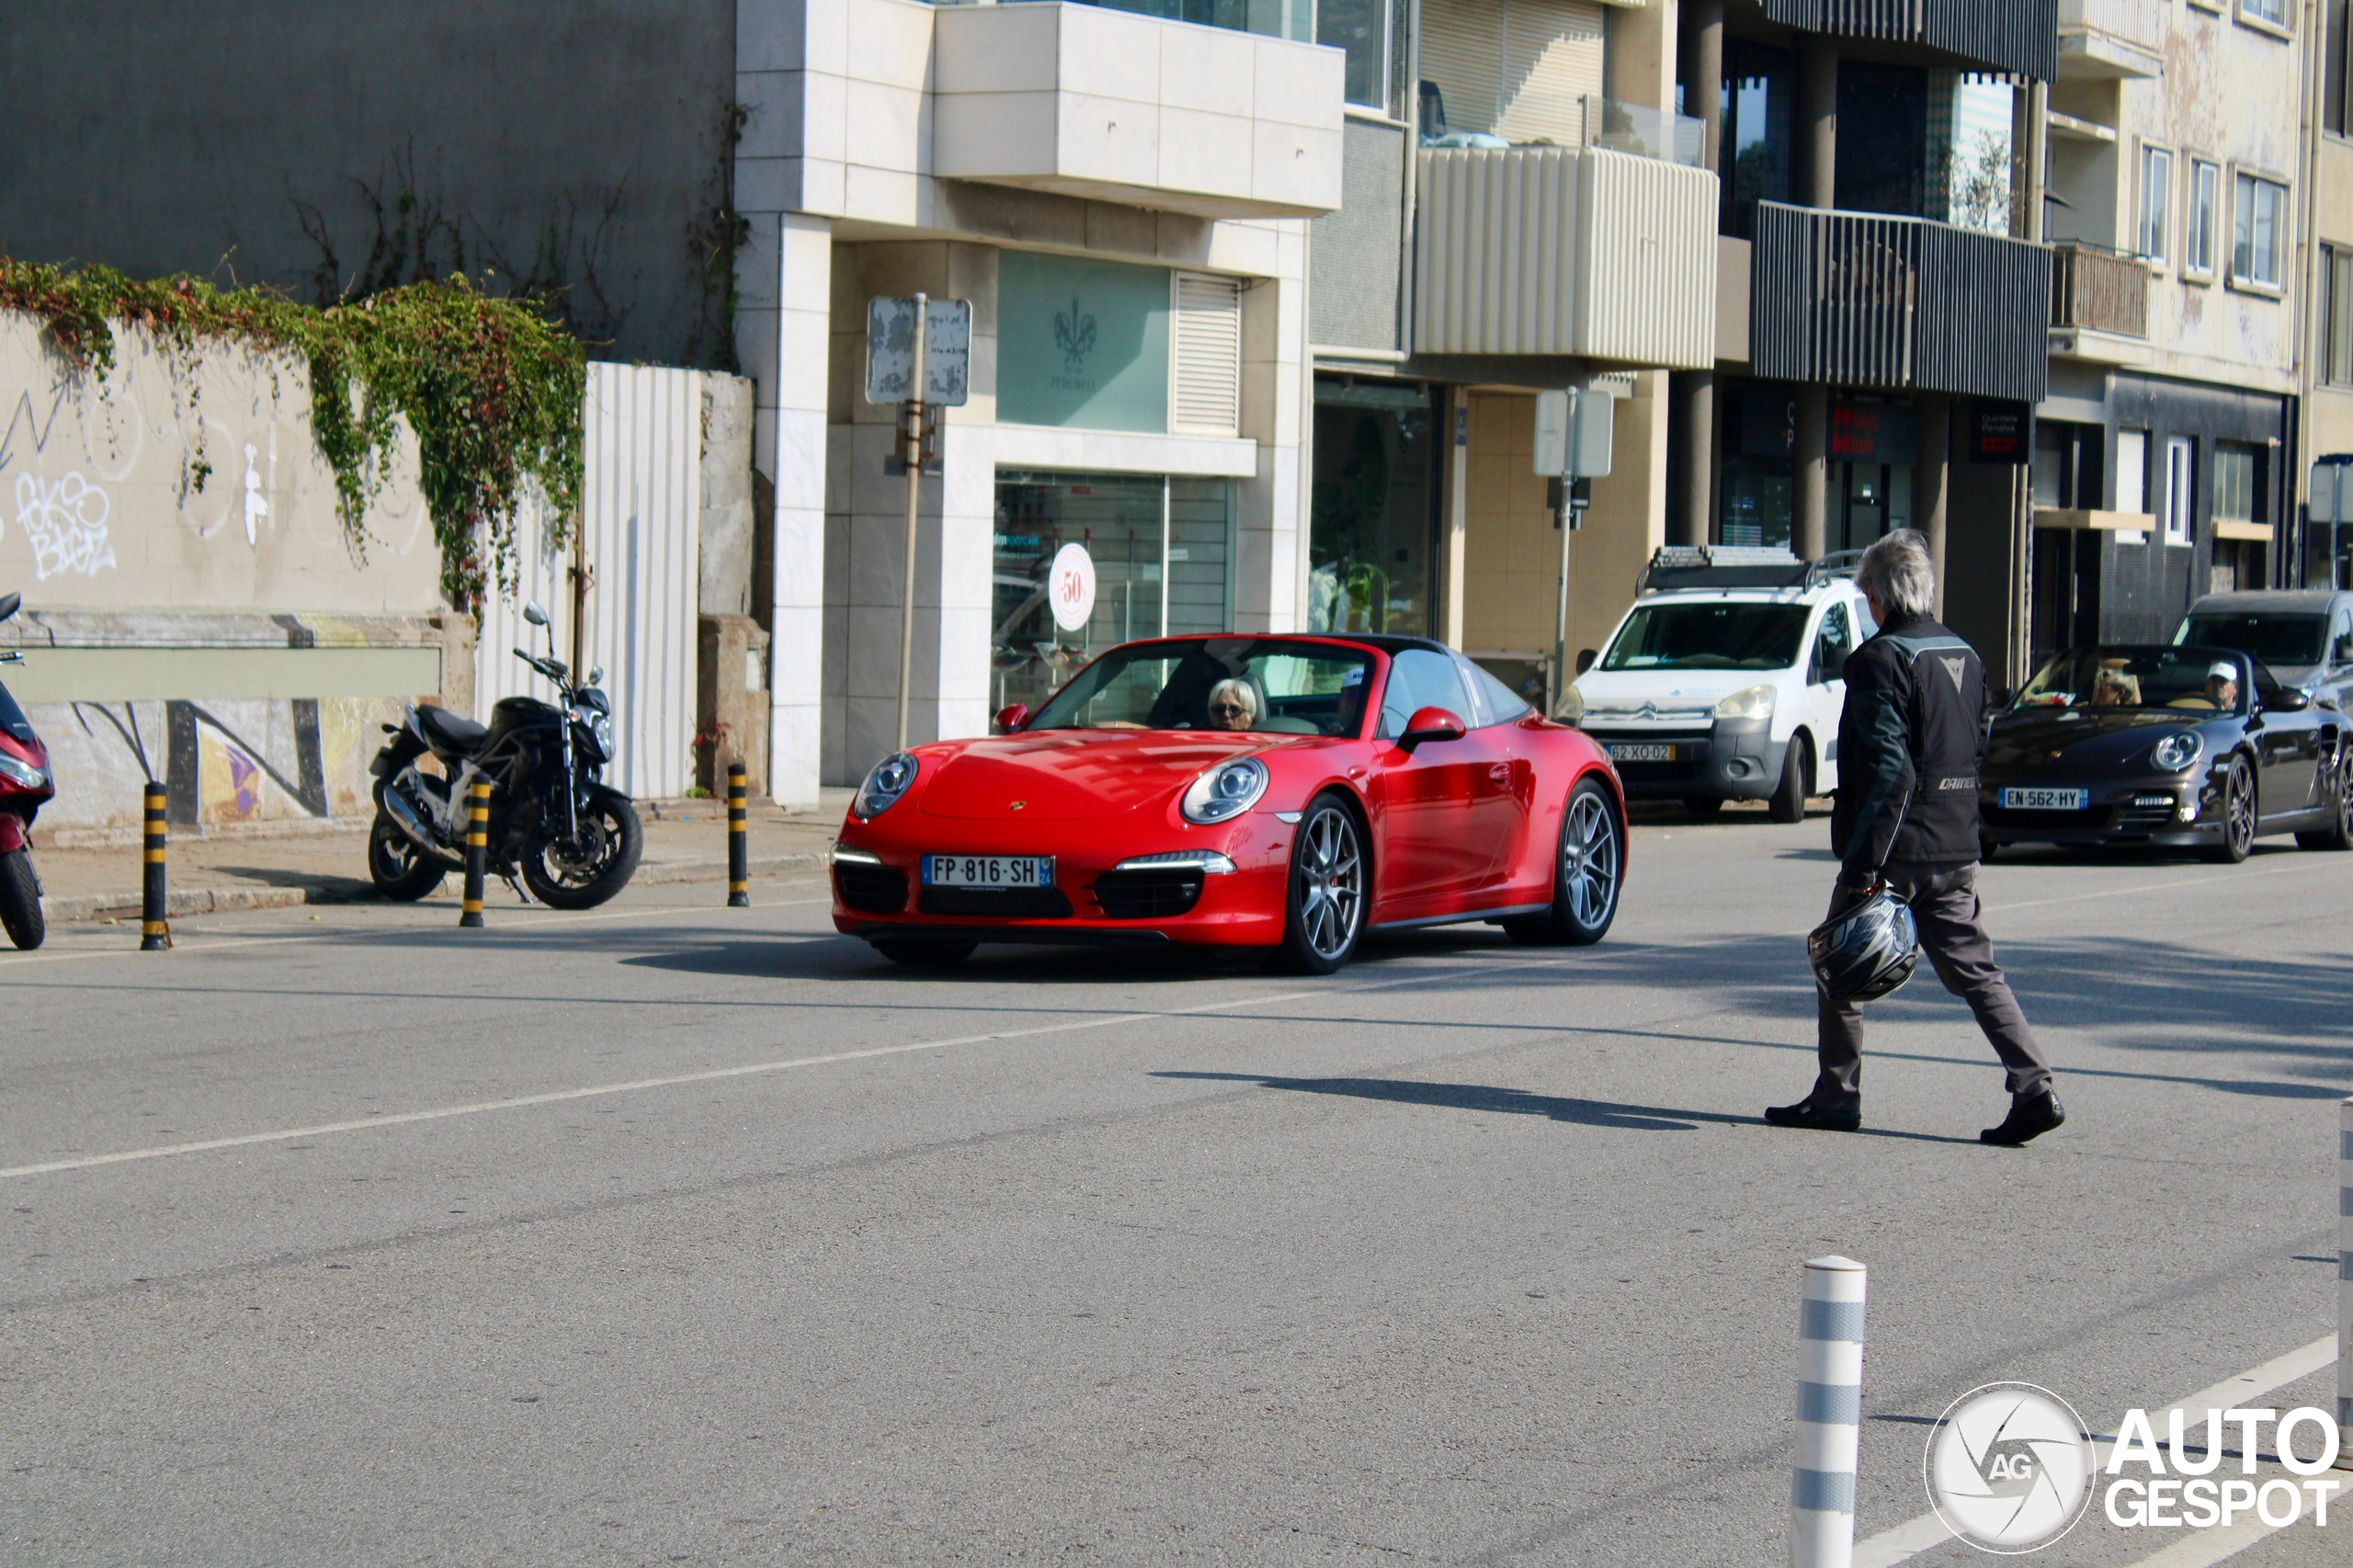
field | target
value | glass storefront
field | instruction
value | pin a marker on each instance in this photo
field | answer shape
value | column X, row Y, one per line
column 1372, row 539
column 1163, row 554
column 1872, row 447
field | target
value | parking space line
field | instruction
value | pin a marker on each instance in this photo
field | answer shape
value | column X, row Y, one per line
column 715, row 1075
column 1915, row 1536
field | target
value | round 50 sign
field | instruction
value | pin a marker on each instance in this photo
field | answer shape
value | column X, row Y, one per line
column 1070, row 587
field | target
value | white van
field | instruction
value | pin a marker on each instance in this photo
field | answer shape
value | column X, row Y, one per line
column 1725, row 680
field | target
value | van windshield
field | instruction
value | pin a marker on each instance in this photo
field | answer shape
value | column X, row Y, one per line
column 2271, row 636
column 1712, row 636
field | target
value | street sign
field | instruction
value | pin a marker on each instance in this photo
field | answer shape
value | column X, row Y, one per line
column 1069, row 587
column 890, row 350
column 1574, row 433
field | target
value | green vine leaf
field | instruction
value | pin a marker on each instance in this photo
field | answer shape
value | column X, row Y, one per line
column 491, row 387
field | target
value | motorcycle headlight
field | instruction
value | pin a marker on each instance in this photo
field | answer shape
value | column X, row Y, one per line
column 2178, row 751
column 891, row 778
column 1226, row 791
column 1752, row 702
column 24, row 773
column 1570, row 709
column 601, row 726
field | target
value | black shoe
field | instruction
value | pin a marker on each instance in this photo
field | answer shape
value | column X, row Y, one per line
column 1812, row 1113
column 2030, row 1117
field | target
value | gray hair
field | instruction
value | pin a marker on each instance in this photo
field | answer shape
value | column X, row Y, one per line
column 1236, row 687
column 1896, row 572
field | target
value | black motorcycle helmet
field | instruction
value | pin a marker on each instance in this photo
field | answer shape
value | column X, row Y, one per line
column 1867, row 951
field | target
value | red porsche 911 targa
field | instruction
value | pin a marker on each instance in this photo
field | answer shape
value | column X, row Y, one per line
column 1244, row 792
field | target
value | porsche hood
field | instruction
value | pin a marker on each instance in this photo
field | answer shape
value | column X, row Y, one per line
column 1070, row 775
column 2079, row 741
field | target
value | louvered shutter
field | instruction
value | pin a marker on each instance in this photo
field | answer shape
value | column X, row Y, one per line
column 1206, row 364
column 1517, row 68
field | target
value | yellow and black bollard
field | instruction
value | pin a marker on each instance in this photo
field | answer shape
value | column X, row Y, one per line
column 477, row 850
column 739, row 857
column 155, row 921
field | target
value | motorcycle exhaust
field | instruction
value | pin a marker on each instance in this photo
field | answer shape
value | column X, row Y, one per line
column 404, row 817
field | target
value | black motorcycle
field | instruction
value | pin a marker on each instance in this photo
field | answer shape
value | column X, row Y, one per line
column 26, row 785
column 575, row 842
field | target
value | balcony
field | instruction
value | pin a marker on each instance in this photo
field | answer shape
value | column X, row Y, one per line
column 1863, row 299
column 2100, row 39
column 2099, row 295
column 1086, row 101
column 1559, row 250
column 2021, row 36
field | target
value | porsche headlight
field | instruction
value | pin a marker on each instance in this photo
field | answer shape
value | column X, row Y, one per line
column 1225, row 791
column 1571, row 708
column 2177, row 751
column 891, row 778
column 24, row 773
column 1752, row 702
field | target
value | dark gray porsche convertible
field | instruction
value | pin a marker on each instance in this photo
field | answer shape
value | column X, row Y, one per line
column 2188, row 746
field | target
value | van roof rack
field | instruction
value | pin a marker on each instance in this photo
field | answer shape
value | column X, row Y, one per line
column 1740, row 566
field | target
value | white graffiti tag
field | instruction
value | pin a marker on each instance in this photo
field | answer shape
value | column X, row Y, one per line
column 66, row 522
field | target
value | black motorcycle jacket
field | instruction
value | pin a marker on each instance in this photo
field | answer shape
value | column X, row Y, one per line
column 1909, row 741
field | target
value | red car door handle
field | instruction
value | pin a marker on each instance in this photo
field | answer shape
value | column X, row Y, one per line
column 1500, row 772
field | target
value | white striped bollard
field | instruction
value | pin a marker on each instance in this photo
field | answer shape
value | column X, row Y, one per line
column 1830, row 1413
column 2345, row 1285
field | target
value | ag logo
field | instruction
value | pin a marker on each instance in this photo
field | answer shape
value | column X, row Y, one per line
column 2009, row 1467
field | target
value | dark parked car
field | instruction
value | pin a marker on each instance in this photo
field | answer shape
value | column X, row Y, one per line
column 2305, row 636
column 2194, row 746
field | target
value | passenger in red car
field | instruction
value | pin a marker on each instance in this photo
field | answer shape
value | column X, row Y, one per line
column 1232, row 706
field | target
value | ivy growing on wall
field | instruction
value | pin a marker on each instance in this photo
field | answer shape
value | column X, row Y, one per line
column 489, row 387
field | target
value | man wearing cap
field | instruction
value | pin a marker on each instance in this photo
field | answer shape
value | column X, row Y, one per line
column 2221, row 689
column 1906, row 818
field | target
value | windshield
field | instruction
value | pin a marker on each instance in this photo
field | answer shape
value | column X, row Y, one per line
column 1707, row 637
column 1259, row 685
column 2192, row 679
column 2274, row 638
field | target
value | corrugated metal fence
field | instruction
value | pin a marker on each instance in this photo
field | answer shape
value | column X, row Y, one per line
column 640, row 531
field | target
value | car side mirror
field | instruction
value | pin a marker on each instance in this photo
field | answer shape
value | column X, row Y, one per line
column 2284, row 701
column 1586, row 657
column 1009, row 718
column 534, row 613
column 1431, row 724
column 10, row 604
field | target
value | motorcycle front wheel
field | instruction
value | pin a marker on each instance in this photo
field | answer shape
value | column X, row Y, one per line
column 564, row 872
column 21, row 910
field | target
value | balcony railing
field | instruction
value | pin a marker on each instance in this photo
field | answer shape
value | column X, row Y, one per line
column 2098, row 290
column 2002, row 35
column 1862, row 299
column 1589, row 121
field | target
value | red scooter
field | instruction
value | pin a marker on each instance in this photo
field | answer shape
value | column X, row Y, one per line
column 25, row 787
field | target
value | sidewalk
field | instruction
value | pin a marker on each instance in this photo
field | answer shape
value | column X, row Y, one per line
column 686, row 841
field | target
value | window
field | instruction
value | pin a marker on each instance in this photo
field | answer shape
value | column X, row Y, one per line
column 2132, row 479
column 1420, row 678
column 2238, row 490
column 2180, row 500
column 2205, row 216
column 2272, row 11
column 2157, row 202
column 2336, row 315
column 1361, row 29
column 1832, row 642
column 1372, row 528
column 1734, row 635
column 2256, row 211
column 1759, row 90
column 1205, row 355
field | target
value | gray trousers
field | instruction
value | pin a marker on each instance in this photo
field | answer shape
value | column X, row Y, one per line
column 1944, row 908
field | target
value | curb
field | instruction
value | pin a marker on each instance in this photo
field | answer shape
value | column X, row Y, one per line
column 225, row 900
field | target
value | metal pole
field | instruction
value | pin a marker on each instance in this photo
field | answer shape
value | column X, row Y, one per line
column 155, row 922
column 913, row 442
column 739, row 867
column 2345, row 1282
column 1560, row 618
column 1830, row 1413
column 477, row 851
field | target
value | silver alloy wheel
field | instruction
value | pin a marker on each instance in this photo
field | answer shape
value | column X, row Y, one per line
column 1589, row 860
column 2238, row 808
column 1331, row 883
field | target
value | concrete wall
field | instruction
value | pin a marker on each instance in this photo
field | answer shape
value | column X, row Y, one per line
column 573, row 143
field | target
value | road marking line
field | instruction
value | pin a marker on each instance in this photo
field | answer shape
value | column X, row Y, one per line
column 713, row 1074
column 2202, row 1549
column 1916, row 1536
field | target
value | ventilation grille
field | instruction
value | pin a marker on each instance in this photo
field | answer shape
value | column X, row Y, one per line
column 1207, row 370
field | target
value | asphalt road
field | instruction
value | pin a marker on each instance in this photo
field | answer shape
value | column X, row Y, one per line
column 1470, row 1255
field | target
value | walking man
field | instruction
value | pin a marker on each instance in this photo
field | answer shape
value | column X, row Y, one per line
column 1908, row 744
